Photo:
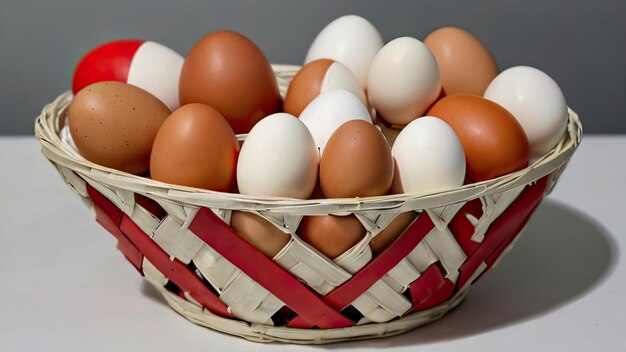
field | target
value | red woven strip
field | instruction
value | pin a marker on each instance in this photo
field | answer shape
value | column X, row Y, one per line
column 462, row 228
column 428, row 283
column 214, row 232
column 504, row 227
column 345, row 294
column 110, row 217
column 441, row 295
column 174, row 270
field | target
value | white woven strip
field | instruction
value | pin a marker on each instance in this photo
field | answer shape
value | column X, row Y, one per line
column 218, row 271
column 147, row 222
column 311, row 267
column 152, row 274
column 447, row 250
column 176, row 241
column 77, row 184
column 356, row 257
column 442, row 216
column 247, row 300
column 381, row 303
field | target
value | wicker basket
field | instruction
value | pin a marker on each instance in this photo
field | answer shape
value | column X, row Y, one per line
column 180, row 240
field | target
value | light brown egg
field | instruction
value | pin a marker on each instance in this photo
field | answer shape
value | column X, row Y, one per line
column 229, row 72
column 317, row 77
column 114, row 124
column 395, row 228
column 266, row 237
column 195, row 147
column 331, row 235
column 356, row 162
column 493, row 141
column 465, row 64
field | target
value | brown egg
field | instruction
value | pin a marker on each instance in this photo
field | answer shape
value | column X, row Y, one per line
column 465, row 64
column 266, row 237
column 227, row 71
column 315, row 78
column 392, row 231
column 195, row 147
column 331, row 235
column 114, row 124
column 493, row 141
column 356, row 162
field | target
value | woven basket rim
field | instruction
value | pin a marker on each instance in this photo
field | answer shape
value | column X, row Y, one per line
column 49, row 123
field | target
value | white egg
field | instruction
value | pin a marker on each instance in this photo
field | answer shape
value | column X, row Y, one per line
column 338, row 76
column 403, row 80
column 156, row 68
column 351, row 40
column 329, row 111
column 428, row 156
column 278, row 158
column 537, row 103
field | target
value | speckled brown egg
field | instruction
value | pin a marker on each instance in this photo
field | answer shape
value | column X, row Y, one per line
column 465, row 64
column 229, row 72
column 266, row 237
column 493, row 141
column 331, row 235
column 356, row 162
column 195, row 147
column 114, row 124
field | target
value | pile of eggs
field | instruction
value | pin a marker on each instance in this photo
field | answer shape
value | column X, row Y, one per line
column 361, row 118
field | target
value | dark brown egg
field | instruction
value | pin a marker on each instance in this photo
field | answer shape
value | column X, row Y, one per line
column 114, row 124
column 493, row 141
column 356, row 162
column 195, row 147
column 331, row 235
column 266, row 237
column 229, row 72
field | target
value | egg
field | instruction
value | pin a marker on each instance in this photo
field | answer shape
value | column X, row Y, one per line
column 114, row 124
column 428, row 157
column 317, row 77
column 403, row 80
column 264, row 236
column 195, row 147
column 395, row 228
column 351, row 40
column 145, row 64
column 229, row 72
column 357, row 162
column 329, row 111
column 536, row 101
column 331, row 235
column 278, row 158
column 465, row 64
column 494, row 142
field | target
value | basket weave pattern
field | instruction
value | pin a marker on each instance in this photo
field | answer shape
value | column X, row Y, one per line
column 180, row 240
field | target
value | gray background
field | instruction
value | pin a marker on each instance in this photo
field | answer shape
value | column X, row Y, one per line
column 579, row 43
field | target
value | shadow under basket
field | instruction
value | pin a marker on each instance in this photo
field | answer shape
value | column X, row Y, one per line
column 180, row 240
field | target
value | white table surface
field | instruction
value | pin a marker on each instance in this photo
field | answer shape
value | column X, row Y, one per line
column 64, row 287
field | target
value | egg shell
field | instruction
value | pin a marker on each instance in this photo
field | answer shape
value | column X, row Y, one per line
column 350, row 40
column 330, row 234
column 536, row 101
column 428, row 157
column 278, row 158
column 114, row 124
column 493, row 141
column 145, row 64
column 329, row 111
column 465, row 64
column 403, row 80
column 229, row 72
column 357, row 162
column 264, row 236
column 195, row 147
column 317, row 77
column 395, row 228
